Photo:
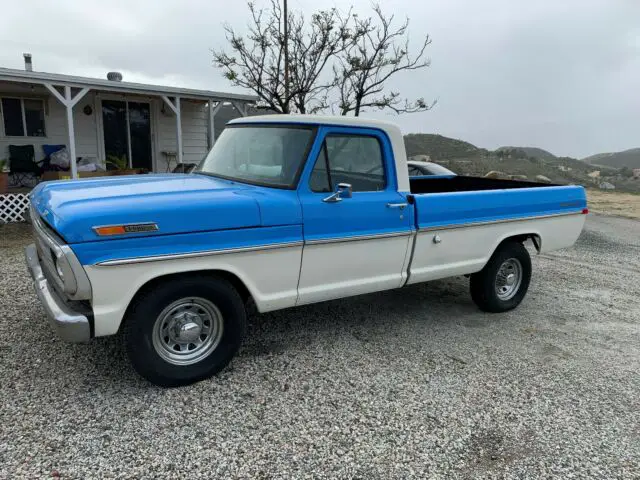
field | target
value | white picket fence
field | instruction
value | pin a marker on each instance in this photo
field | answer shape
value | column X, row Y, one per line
column 13, row 207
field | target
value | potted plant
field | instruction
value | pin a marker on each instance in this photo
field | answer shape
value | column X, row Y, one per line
column 120, row 165
column 4, row 175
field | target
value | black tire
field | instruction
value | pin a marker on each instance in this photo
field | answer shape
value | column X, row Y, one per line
column 483, row 283
column 139, row 333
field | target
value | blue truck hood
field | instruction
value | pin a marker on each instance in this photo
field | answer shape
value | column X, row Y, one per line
column 177, row 203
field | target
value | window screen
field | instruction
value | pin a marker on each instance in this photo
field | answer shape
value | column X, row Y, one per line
column 353, row 159
column 34, row 118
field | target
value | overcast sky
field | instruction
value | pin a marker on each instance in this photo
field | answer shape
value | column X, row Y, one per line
column 563, row 75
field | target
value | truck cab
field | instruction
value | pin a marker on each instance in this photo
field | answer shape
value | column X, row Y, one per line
column 285, row 210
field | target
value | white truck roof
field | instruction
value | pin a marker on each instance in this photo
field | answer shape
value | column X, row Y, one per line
column 391, row 129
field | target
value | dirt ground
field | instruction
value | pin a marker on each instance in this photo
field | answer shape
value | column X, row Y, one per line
column 614, row 203
column 409, row 383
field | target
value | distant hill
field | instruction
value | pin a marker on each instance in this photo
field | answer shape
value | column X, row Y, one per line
column 438, row 147
column 465, row 158
column 531, row 152
column 627, row 158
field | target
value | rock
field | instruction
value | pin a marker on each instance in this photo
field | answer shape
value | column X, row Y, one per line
column 607, row 186
column 518, row 177
column 542, row 179
column 498, row 175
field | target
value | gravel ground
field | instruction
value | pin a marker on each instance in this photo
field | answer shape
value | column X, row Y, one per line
column 409, row 383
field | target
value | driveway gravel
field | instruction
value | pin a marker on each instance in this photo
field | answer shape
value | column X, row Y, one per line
column 413, row 383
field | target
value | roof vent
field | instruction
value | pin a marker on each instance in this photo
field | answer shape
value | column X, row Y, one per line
column 28, row 66
column 114, row 76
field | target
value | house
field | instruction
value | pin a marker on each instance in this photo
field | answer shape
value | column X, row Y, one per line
column 636, row 173
column 153, row 127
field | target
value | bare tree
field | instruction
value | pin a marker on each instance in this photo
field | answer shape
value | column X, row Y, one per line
column 335, row 61
column 256, row 62
column 377, row 52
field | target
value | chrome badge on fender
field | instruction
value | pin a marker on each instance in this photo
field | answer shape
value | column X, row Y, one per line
column 123, row 229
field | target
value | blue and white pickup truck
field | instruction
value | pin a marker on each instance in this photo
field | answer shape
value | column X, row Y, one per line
column 285, row 210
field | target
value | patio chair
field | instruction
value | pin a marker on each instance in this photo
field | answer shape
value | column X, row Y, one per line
column 48, row 151
column 23, row 165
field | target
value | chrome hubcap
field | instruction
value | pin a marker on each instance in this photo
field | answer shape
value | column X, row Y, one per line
column 187, row 331
column 508, row 279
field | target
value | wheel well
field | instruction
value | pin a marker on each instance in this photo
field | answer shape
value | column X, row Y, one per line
column 228, row 276
column 523, row 237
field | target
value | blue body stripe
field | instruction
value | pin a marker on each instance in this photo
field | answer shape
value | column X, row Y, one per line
column 90, row 253
column 459, row 208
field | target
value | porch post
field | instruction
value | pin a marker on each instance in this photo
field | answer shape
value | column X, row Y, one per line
column 69, row 102
column 72, row 133
column 179, row 129
column 175, row 107
column 241, row 107
column 212, row 116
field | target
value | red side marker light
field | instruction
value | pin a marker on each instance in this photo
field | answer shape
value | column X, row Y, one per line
column 585, row 211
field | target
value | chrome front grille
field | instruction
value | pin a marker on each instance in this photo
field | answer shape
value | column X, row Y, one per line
column 46, row 254
column 52, row 249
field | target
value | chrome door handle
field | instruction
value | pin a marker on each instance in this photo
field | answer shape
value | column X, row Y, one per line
column 401, row 206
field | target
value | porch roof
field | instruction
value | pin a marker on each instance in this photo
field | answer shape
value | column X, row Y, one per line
column 24, row 76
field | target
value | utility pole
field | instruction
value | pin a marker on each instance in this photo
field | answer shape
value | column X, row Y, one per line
column 286, row 56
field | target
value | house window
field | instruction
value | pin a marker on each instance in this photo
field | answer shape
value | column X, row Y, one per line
column 23, row 117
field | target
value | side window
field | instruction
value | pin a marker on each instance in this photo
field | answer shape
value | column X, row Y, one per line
column 353, row 159
column 320, row 180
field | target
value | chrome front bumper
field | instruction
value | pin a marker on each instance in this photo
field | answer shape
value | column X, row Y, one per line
column 69, row 324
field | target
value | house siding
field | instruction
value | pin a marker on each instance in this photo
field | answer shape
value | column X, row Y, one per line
column 195, row 130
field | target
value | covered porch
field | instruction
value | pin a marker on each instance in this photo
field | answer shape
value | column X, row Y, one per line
column 112, row 123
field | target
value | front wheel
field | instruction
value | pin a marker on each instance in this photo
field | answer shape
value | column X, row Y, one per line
column 184, row 330
column 503, row 282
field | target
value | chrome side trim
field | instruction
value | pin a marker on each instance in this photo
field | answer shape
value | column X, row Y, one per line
column 226, row 251
column 490, row 222
column 357, row 238
column 204, row 253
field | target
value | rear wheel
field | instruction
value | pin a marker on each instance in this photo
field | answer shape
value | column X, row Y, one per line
column 184, row 330
column 503, row 282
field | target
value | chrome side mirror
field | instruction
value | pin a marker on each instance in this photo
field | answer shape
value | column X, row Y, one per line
column 343, row 190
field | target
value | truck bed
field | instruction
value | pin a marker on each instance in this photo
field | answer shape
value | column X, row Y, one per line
column 459, row 183
column 459, row 201
column 461, row 221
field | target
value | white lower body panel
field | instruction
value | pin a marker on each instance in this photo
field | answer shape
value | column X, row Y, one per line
column 343, row 269
column 271, row 276
column 467, row 249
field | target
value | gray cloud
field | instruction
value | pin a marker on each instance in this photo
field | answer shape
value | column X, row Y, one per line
column 562, row 75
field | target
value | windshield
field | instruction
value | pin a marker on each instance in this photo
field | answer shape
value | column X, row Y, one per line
column 260, row 154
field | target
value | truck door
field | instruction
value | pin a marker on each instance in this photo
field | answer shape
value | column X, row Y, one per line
column 357, row 227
